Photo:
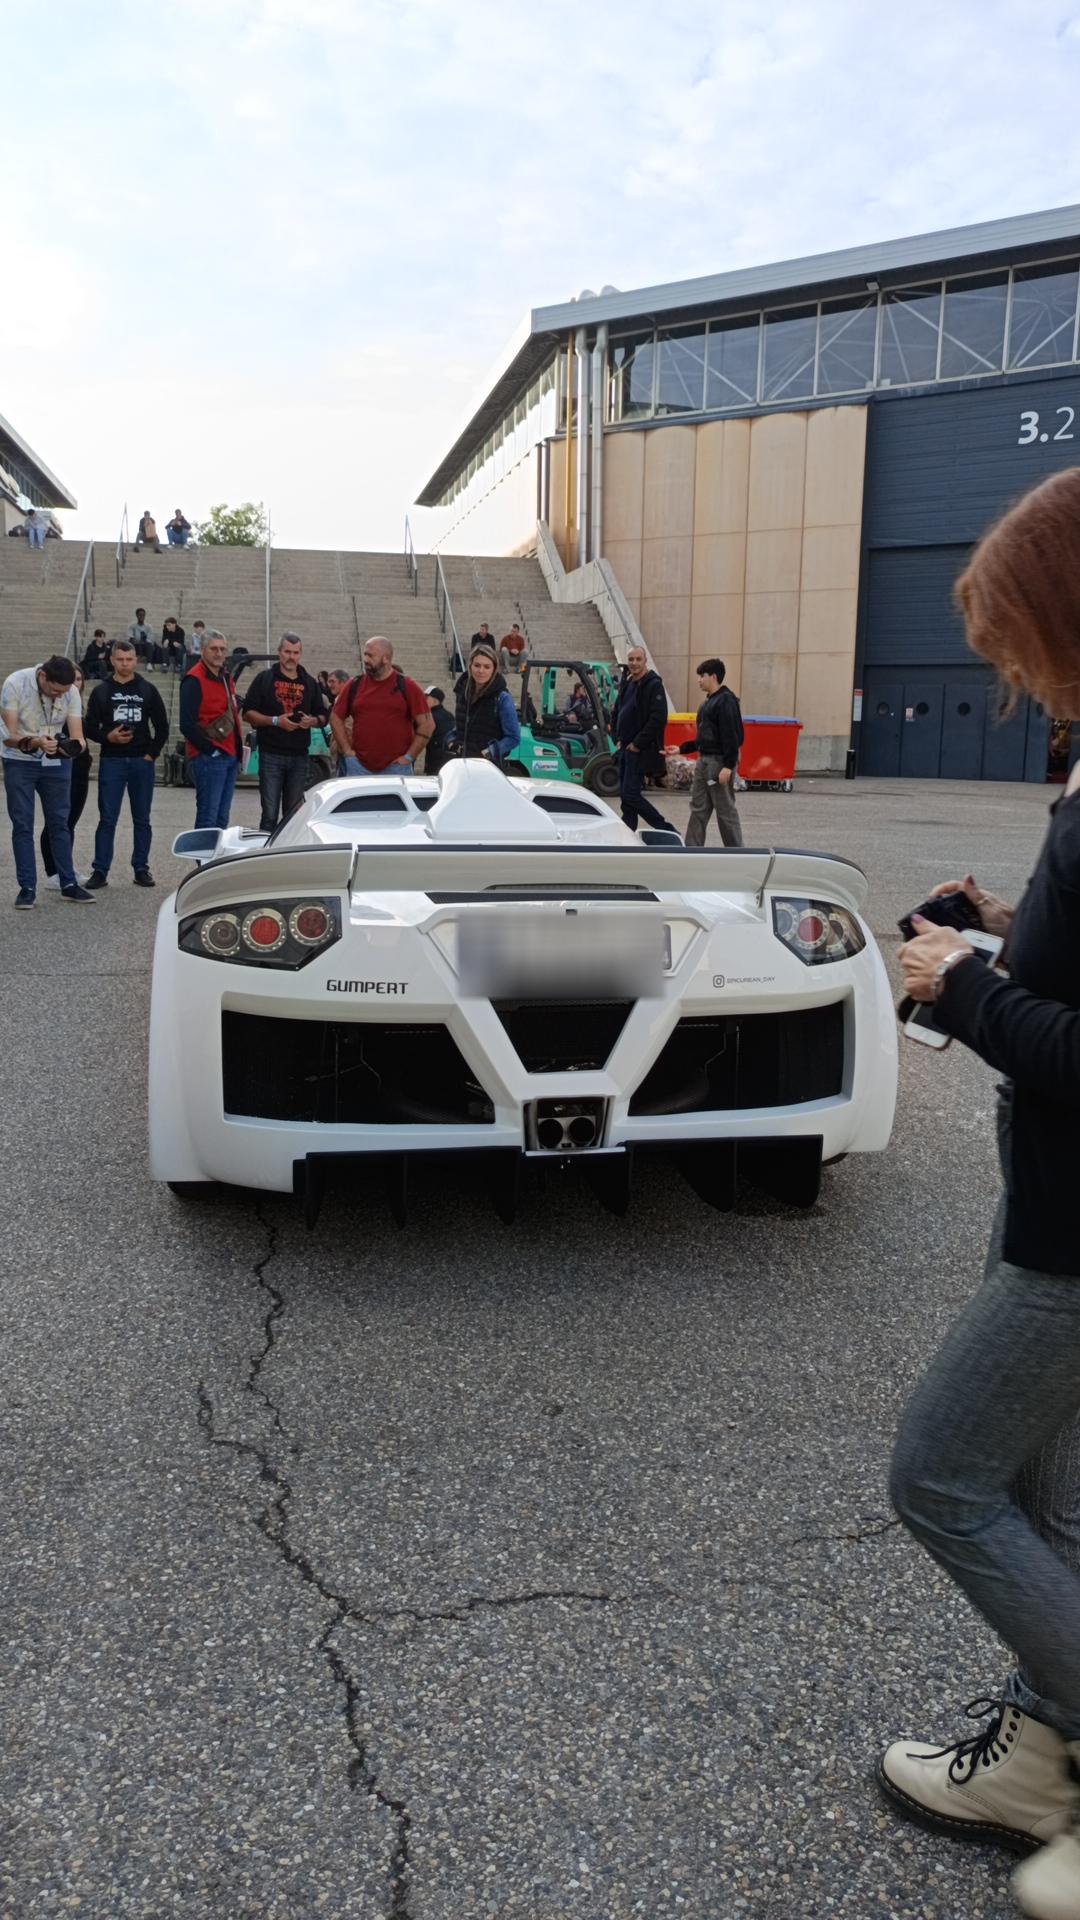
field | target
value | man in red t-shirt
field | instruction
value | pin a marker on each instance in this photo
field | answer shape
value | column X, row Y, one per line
column 391, row 722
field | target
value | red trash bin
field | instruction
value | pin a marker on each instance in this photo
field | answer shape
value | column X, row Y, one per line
column 769, row 750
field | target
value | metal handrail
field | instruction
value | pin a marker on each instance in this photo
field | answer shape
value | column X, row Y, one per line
column 123, row 541
column 84, row 593
column 445, row 610
column 411, row 567
column 269, row 544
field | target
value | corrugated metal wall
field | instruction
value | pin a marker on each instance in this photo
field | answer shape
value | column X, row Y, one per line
column 940, row 469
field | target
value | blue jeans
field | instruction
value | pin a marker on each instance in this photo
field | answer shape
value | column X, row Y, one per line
column 117, row 775
column 986, row 1472
column 353, row 766
column 631, row 775
column 215, row 781
column 36, row 536
column 178, row 536
column 53, row 782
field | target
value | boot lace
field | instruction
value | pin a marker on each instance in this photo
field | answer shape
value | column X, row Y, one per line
column 982, row 1749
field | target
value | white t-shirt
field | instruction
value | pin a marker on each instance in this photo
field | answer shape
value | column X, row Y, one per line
column 35, row 712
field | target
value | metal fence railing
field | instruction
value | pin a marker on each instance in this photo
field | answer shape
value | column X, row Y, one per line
column 446, row 619
column 269, row 563
column 411, row 567
column 123, row 541
column 83, row 598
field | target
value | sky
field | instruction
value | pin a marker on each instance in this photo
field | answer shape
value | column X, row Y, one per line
column 271, row 249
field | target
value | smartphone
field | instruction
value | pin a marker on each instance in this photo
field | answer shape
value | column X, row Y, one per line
column 918, row 1016
column 948, row 910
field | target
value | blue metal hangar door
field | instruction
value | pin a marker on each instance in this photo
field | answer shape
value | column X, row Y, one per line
column 941, row 467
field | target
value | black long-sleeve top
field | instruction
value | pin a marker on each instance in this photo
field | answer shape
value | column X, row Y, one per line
column 720, row 728
column 641, row 713
column 136, row 704
column 1028, row 1028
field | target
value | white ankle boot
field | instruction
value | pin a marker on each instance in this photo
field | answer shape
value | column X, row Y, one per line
column 1010, row 1783
column 1047, row 1887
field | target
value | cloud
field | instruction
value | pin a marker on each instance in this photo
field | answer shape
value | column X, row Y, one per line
column 272, row 247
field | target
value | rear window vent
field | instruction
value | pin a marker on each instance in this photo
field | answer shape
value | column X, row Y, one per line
column 562, row 803
column 372, row 803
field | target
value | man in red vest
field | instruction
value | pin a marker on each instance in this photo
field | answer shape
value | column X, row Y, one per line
column 210, row 723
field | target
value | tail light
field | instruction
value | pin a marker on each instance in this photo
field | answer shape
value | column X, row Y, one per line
column 817, row 932
column 279, row 933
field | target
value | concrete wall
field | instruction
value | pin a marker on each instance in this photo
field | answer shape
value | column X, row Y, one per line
column 741, row 538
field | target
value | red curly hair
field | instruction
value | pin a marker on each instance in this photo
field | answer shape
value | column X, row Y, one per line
column 1020, row 596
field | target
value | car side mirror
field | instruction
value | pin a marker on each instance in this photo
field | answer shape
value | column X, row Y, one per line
column 199, row 844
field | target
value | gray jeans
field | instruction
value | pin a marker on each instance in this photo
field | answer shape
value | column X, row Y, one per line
column 708, row 796
column 986, row 1474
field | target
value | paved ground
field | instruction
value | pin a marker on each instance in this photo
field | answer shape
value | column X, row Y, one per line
column 472, row 1571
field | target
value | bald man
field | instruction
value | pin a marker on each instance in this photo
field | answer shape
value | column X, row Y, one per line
column 391, row 723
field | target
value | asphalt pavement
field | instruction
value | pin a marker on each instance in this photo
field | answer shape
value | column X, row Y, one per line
column 542, row 1571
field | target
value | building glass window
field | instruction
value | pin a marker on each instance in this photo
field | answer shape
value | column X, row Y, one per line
column 1043, row 324
column 846, row 345
column 680, row 378
column 732, row 362
column 790, row 345
column 973, row 329
column 630, row 376
column 910, row 322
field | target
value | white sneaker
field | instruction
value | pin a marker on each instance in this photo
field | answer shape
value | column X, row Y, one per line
column 1009, row 1783
column 52, row 882
column 1047, row 1887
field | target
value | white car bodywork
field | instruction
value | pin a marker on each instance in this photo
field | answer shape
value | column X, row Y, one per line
column 261, row 1077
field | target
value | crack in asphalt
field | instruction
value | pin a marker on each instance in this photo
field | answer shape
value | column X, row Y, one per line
column 273, row 1524
column 855, row 1538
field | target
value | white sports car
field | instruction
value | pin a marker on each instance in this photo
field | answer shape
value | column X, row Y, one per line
column 408, row 966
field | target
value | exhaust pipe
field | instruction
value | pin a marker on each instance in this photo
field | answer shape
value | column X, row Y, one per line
column 564, row 1126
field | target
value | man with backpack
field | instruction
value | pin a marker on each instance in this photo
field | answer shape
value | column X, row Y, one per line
column 389, row 716
column 719, row 738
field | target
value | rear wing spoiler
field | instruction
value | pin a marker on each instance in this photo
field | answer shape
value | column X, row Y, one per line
column 386, row 868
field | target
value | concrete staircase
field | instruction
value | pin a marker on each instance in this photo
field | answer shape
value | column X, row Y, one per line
column 502, row 591
column 333, row 600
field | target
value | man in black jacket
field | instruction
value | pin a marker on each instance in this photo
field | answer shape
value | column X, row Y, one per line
column 283, row 704
column 641, row 712
column 126, row 715
column 719, row 738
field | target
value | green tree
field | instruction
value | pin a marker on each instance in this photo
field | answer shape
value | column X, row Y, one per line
column 242, row 526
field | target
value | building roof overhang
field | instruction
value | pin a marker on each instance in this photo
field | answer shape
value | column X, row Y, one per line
column 847, row 268
column 13, row 443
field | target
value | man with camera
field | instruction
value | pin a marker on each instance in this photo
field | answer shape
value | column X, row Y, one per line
column 210, row 723
column 127, row 716
column 36, row 703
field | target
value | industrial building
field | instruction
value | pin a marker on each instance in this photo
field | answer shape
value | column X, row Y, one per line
column 788, row 465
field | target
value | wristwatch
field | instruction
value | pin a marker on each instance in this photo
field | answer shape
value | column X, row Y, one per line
column 274, row 718
column 945, row 966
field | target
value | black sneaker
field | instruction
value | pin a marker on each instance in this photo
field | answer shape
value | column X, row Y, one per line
column 26, row 897
column 96, row 881
column 144, row 877
column 78, row 895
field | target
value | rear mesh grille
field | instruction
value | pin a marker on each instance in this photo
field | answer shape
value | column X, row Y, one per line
column 347, row 1071
column 563, row 1036
column 720, row 1063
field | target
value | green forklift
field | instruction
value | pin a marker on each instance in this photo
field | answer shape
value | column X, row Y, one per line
column 565, row 707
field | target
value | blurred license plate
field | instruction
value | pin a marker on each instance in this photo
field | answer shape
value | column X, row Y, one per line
column 559, row 956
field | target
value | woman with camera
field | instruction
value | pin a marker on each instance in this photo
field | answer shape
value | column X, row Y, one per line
column 986, row 1472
